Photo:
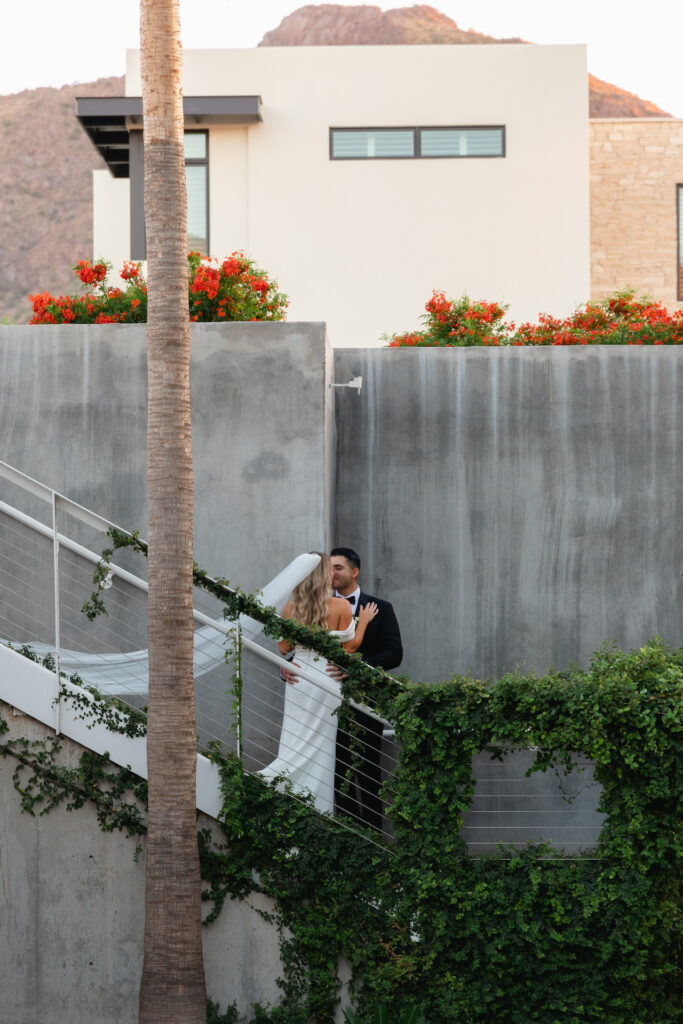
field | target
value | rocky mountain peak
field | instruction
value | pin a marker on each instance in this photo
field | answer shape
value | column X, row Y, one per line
column 366, row 25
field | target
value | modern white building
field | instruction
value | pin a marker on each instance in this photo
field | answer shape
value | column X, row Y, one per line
column 361, row 178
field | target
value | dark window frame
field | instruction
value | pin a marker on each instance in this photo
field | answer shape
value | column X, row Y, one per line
column 138, row 238
column 202, row 162
column 417, row 141
column 365, row 128
column 463, row 128
column 138, row 235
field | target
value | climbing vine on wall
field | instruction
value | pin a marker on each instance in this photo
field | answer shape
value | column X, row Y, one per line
column 43, row 783
column 521, row 936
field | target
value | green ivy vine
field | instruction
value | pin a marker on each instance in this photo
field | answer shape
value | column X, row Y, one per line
column 522, row 936
column 43, row 783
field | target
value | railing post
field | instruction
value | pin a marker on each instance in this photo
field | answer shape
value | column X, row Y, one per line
column 55, row 572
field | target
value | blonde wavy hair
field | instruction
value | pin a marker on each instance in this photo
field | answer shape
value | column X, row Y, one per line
column 310, row 603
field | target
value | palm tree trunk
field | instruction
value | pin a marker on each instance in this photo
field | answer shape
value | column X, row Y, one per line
column 172, row 987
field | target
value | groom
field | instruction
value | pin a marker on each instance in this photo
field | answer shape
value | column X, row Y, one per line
column 381, row 647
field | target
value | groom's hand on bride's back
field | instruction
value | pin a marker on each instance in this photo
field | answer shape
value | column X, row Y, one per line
column 335, row 672
column 288, row 676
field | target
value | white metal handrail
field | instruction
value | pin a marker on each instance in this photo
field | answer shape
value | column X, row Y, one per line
column 137, row 581
column 101, row 524
column 71, row 545
column 51, row 496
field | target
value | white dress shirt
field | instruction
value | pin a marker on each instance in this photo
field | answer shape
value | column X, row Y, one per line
column 355, row 595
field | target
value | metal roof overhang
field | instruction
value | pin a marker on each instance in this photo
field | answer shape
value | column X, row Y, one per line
column 108, row 120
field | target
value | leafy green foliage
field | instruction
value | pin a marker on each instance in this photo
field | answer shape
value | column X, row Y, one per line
column 43, row 783
column 521, row 936
column 411, row 1015
column 214, row 1015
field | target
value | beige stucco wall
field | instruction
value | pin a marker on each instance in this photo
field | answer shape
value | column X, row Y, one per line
column 635, row 166
column 111, row 219
column 361, row 244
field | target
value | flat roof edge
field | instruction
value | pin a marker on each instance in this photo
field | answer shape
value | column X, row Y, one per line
column 101, row 116
column 131, row 106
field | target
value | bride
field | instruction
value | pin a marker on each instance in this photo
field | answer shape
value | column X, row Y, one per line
column 309, row 727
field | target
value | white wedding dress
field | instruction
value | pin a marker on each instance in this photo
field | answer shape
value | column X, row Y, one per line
column 306, row 753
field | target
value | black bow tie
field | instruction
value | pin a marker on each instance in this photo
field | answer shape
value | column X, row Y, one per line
column 351, row 600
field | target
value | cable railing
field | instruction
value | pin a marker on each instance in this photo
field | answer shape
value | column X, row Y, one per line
column 283, row 735
column 47, row 559
column 291, row 733
column 49, row 549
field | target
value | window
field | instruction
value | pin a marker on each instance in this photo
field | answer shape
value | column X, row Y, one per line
column 197, row 177
column 197, row 174
column 420, row 143
column 372, row 144
column 679, row 222
column 461, row 142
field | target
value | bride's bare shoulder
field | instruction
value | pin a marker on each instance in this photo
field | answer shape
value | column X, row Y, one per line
column 340, row 613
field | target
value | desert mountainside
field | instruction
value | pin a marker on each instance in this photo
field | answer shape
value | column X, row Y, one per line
column 335, row 25
column 46, row 159
column 46, row 164
column 606, row 100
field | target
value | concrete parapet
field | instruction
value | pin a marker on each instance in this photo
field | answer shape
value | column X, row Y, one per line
column 518, row 506
column 73, row 408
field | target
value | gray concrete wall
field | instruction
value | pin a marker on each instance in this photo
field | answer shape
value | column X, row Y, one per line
column 73, row 408
column 73, row 415
column 518, row 506
column 514, row 808
column 72, row 918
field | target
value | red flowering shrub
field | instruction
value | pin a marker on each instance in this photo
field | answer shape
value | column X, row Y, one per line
column 233, row 290
column 458, row 322
column 100, row 304
column 91, row 274
column 621, row 319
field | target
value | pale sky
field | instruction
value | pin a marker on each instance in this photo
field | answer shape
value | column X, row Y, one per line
column 632, row 44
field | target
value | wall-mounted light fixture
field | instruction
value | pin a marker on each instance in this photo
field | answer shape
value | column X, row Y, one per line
column 355, row 382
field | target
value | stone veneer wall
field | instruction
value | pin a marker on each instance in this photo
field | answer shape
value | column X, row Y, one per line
column 635, row 165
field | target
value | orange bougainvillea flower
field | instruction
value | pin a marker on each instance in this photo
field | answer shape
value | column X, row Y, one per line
column 91, row 274
column 130, row 271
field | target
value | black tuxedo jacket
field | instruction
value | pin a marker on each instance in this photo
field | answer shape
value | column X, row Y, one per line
column 381, row 644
